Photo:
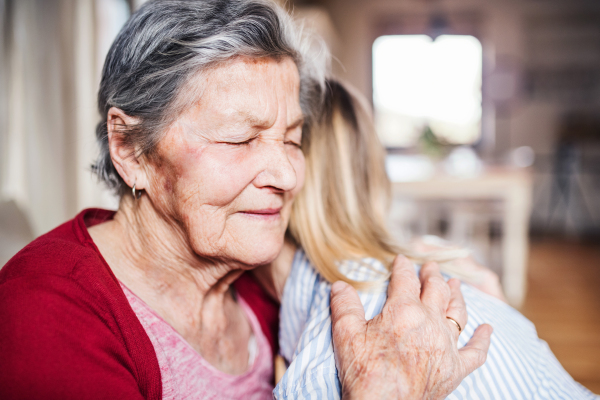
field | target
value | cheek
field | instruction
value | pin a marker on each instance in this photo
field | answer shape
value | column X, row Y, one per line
column 215, row 177
column 162, row 178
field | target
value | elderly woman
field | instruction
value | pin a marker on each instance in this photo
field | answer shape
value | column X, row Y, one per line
column 203, row 105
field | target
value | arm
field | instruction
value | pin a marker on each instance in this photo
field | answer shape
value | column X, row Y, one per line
column 409, row 350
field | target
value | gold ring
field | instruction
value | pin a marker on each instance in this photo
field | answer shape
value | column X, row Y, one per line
column 457, row 324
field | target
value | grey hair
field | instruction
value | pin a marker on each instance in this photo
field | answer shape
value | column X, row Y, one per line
column 167, row 42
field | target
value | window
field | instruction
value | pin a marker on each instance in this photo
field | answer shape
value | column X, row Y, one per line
column 419, row 82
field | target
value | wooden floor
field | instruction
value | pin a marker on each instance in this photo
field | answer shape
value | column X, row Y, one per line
column 563, row 301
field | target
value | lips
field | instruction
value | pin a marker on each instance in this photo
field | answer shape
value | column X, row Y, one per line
column 263, row 212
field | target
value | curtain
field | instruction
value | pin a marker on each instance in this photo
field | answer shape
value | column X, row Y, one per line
column 52, row 51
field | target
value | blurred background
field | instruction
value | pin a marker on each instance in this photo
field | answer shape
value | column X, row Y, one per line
column 490, row 110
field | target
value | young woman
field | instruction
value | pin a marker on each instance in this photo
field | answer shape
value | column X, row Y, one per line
column 338, row 223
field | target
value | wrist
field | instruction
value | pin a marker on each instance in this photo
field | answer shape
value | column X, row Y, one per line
column 375, row 387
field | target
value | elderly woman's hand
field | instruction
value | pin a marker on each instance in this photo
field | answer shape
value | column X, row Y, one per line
column 408, row 351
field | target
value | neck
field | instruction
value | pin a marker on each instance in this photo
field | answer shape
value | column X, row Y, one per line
column 156, row 249
column 153, row 258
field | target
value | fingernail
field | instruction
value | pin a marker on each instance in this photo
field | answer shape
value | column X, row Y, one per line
column 338, row 287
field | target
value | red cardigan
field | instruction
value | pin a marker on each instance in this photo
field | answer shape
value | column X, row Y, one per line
column 67, row 330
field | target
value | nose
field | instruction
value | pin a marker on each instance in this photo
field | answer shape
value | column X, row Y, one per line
column 276, row 169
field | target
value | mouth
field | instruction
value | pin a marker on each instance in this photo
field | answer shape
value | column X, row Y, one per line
column 265, row 213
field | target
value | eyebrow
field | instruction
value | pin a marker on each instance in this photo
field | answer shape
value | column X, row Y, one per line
column 259, row 123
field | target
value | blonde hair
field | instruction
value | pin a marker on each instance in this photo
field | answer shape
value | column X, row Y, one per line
column 340, row 213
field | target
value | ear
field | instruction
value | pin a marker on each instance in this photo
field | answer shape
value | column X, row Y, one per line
column 123, row 155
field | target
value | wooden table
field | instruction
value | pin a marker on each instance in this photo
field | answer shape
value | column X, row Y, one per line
column 511, row 186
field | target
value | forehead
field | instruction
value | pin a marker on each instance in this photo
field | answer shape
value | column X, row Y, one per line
column 263, row 89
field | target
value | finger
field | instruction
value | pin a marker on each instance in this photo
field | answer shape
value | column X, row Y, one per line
column 347, row 312
column 435, row 292
column 474, row 354
column 457, row 309
column 404, row 284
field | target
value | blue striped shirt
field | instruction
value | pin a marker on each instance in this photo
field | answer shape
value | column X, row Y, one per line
column 519, row 364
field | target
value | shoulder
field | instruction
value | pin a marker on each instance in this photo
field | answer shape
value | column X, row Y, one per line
column 58, row 252
column 64, row 262
column 58, row 267
column 305, row 334
column 305, row 308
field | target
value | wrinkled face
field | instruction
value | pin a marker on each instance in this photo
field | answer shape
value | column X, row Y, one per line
column 228, row 169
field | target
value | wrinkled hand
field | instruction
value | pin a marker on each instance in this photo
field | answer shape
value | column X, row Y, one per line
column 408, row 351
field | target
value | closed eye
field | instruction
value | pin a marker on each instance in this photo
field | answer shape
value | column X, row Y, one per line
column 298, row 145
column 240, row 143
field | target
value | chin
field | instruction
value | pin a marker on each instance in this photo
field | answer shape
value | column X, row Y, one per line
column 245, row 246
column 259, row 252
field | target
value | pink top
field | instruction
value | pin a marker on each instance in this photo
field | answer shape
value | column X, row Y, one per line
column 186, row 375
